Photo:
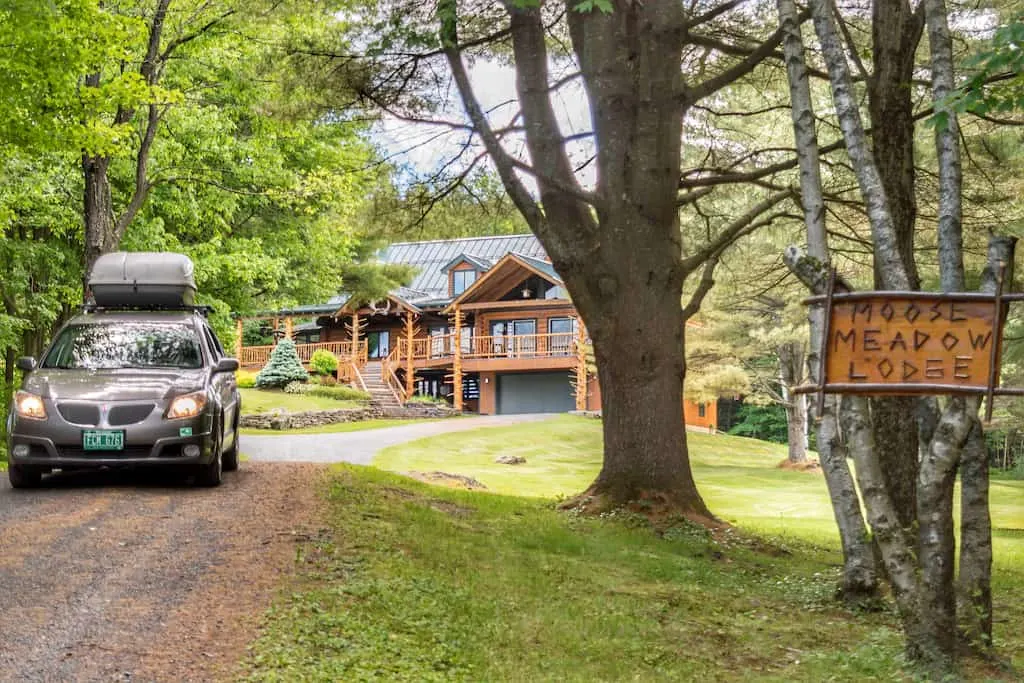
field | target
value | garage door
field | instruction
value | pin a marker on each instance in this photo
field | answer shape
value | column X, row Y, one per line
column 535, row 392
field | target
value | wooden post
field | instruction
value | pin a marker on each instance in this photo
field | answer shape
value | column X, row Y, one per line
column 355, row 339
column 288, row 327
column 238, row 339
column 581, row 365
column 410, row 371
column 457, row 359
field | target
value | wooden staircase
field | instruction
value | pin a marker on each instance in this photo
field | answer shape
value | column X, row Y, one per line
column 380, row 393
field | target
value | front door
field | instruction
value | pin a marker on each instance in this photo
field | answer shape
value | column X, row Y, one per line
column 378, row 344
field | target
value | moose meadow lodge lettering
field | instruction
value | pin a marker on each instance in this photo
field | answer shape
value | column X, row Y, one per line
column 910, row 341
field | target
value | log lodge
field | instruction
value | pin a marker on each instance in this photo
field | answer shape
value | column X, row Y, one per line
column 485, row 323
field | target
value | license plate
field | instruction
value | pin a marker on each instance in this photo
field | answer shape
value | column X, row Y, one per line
column 103, row 440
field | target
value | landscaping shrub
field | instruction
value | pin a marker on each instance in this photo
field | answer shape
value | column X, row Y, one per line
column 323, row 362
column 428, row 400
column 341, row 392
column 299, row 388
column 245, row 379
column 283, row 367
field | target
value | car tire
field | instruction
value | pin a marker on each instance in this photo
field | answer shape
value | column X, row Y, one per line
column 209, row 475
column 22, row 477
column 229, row 461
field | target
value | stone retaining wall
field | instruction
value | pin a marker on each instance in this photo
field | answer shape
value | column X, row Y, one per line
column 318, row 418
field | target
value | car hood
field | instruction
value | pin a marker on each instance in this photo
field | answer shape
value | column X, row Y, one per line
column 113, row 385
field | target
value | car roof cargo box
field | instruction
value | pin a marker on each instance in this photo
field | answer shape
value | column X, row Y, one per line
column 143, row 280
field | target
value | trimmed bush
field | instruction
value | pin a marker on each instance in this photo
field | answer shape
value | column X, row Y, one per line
column 283, row 367
column 298, row 388
column 340, row 392
column 427, row 400
column 245, row 379
column 323, row 362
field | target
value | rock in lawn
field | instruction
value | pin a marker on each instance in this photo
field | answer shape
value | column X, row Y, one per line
column 509, row 460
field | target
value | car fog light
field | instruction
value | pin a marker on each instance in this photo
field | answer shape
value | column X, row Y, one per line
column 20, row 451
column 191, row 451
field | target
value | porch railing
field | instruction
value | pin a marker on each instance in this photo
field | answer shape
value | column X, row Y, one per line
column 257, row 356
column 550, row 345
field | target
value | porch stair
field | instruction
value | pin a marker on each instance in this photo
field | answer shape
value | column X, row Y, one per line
column 380, row 394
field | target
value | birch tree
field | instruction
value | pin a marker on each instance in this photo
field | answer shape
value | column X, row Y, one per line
column 921, row 569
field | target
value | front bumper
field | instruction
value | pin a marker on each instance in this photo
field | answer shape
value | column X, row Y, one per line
column 55, row 443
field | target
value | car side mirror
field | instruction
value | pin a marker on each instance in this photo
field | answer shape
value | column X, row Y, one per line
column 226, row 365
column 27, row 363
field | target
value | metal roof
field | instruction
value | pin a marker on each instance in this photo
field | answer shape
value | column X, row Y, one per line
column 542, row 266
column 430, row 258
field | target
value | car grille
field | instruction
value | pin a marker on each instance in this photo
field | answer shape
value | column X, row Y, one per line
column 130, row 414
column 80, row 413
column 127, row 452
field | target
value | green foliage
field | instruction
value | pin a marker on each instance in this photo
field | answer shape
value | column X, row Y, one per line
column 427, row 400
column 765, row 422
column 340, row 392
column 245, row 379
column 323, row 362
column 283, row 367
column 997, row 81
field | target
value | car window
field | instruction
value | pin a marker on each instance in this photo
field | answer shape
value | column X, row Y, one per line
column 110, row 346
column 213, row 343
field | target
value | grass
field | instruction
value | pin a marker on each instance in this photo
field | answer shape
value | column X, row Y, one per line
column 337, row 427
column 262, row 401
column 419, row 583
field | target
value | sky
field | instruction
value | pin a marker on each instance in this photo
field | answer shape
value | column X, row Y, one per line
column 424, row 148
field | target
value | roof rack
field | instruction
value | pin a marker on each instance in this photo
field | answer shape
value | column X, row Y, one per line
column 204, row 309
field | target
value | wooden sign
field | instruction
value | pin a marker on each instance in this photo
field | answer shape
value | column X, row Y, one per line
column 881, row 343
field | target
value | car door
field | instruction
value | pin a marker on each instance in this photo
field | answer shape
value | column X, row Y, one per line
column 224, row 386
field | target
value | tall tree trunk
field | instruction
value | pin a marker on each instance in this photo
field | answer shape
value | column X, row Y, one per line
column 99, row 211
column 859, row 573
column 640, row 367
column 974, row 585
column 896, row 32
column 618, row 248
column 791, row 359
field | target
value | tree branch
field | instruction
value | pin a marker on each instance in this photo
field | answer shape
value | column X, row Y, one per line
column 733, row 231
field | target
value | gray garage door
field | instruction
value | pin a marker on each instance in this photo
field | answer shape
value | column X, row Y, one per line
column 535, row 392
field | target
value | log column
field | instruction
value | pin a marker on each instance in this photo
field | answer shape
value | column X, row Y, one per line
column 238, row 339
column 410, row 371
column 288, row 327
column 355, row 339
column 457, row 359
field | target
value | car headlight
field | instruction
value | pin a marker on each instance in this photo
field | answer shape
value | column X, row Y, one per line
column 187, row 405
column 29, row 405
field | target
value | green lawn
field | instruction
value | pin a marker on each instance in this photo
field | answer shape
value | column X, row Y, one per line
column 336, row 427
column 419, row 583
column 263, row 401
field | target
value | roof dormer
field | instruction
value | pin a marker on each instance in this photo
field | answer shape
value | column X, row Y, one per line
column 463, row 271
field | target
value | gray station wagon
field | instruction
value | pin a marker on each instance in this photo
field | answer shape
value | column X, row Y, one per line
column 141, row 380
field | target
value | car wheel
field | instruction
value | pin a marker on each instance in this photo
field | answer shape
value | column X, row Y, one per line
column 22, row 477
column 210, row 475
column 230, row 458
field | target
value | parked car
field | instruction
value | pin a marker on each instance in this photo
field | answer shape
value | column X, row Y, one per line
column 136, row 378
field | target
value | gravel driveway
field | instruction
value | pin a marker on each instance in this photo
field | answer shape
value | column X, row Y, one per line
column 360, row 447
column 139, row 577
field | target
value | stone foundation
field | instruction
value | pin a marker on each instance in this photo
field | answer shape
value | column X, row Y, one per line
column 318, row 418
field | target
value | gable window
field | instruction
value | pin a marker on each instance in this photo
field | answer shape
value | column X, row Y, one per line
column 461, row 280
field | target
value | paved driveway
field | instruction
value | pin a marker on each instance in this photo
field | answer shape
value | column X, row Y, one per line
column 360, row 447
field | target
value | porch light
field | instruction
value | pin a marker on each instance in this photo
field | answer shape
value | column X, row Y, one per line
column 527, row 292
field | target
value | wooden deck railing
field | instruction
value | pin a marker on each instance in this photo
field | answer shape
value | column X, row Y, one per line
column 257, row 356
column 390, row 377
column 559, row 344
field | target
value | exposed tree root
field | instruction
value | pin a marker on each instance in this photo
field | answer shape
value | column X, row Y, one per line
column 658, row 507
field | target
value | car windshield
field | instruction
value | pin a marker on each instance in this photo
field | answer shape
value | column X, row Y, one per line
column 125, row 345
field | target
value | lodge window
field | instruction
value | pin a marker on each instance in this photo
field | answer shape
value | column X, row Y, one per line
column 461, row 280
column 701, row 412
column 514, row 337
column 561, row 331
